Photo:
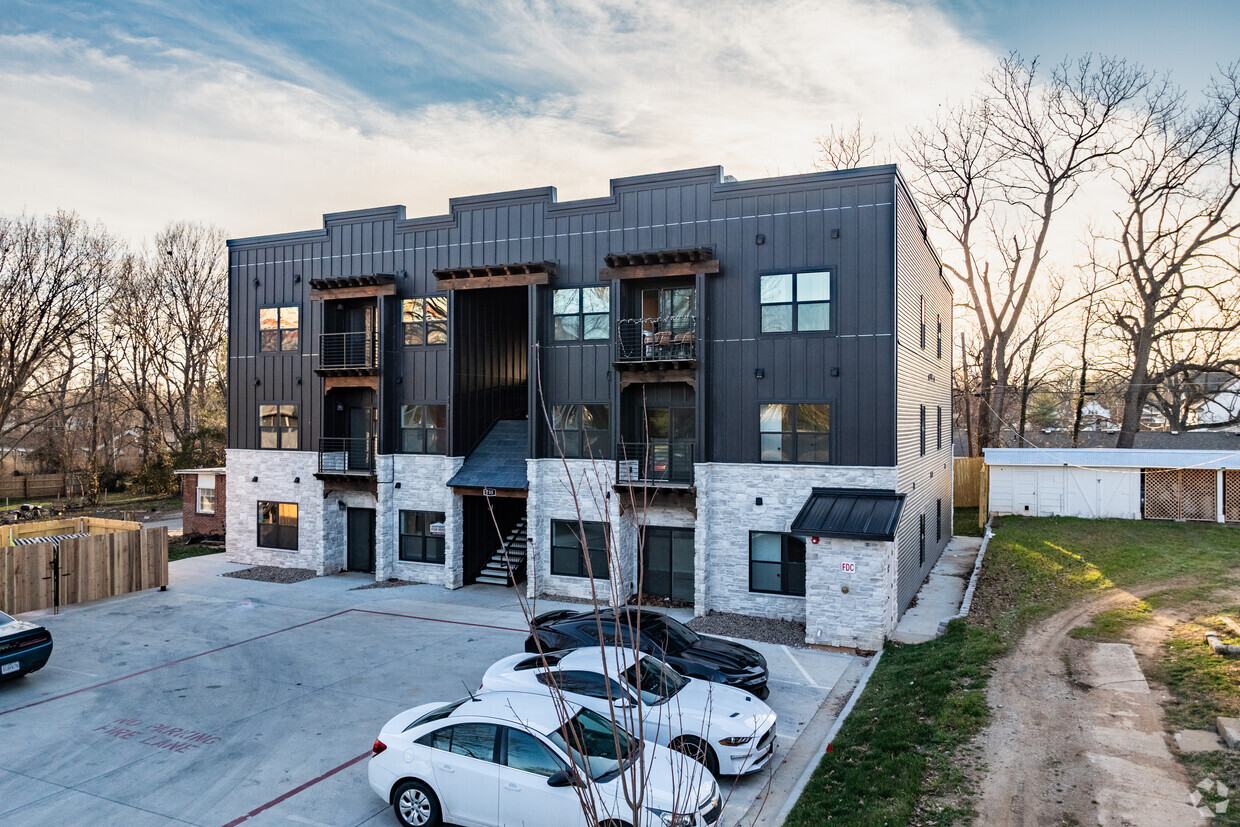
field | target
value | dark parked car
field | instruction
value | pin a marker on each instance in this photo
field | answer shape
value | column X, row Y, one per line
column 698, row 656
column 24, row 647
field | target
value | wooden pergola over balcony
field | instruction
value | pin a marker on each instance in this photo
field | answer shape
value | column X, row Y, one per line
column 495, row 275
column 660, row 264
column 353, row 287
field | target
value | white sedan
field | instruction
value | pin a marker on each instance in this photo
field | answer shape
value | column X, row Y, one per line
column 521, row 760
column 727, row 729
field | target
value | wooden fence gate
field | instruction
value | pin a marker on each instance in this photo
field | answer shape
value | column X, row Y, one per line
column 81, row 569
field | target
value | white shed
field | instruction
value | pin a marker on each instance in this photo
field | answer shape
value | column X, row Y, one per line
column 1103, row 482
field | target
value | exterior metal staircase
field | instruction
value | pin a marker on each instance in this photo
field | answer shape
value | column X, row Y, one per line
column 496, row 571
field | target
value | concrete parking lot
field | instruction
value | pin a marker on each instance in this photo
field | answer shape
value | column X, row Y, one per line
column 226, row 701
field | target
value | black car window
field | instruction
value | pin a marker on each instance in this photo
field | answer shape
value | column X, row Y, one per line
column 471, row 740
column 590, row 630
column 525, row 752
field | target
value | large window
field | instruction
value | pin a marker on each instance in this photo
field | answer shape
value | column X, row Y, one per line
column 423, row 429
column 567, row 555
column 796, row 302
column 776, row 563
column 277, row 328
column 923, row 430
column 421, row 536
column 581, row 314
column 938, row 321
column 923, row 322
column 425, row 320
column 582, row 431
column 206, row 494
column 938, row 429
column 278, row 427
column 795, row 433
column 277, row 525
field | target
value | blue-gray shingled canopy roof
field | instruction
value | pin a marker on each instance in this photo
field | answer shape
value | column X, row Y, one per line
column 850, row 513
column 499, row 460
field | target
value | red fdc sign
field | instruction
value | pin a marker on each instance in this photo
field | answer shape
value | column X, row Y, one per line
column 848, row 568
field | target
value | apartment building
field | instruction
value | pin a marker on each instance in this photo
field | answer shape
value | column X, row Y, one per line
column 742, row 388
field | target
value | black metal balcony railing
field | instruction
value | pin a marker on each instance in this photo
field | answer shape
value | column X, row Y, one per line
column 659, row 339
column 656, row 461
column 345, row 455
column 356, row 350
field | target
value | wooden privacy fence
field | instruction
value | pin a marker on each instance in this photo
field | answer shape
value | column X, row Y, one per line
column 967, row 480
column 81, row 569
column 54, row 528
column 39, row 486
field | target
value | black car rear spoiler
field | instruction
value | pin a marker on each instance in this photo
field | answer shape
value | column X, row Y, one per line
column 554, row 617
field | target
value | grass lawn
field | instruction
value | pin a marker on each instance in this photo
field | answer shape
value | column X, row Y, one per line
column 896, row 760
column 964, row 522
column 183, row 552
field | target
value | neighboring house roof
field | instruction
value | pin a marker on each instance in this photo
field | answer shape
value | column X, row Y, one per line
column 499, row 460
column 1114, row 457
column 856, row 514
column 1157, row 440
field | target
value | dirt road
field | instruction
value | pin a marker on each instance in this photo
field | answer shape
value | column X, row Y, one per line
column 1077, row 736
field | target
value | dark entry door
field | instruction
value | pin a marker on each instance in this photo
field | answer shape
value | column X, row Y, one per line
column 361, row 441
column 668, row 563
column 361, row 539
column 670, row 433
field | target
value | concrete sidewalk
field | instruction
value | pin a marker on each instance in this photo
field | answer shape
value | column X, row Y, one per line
column 940, row 596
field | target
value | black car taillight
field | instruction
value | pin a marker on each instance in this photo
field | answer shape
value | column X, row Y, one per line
column 378, row 747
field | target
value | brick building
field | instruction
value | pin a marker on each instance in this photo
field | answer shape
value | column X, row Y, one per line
column 204, row 505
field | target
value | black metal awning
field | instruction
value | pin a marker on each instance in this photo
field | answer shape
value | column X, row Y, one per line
column 499, row 460
column 850, row 513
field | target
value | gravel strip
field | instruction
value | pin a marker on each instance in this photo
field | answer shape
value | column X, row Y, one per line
column 272, row 574
column 384, row 584
column 779, row 632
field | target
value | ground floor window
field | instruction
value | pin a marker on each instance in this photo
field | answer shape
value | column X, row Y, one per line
column 667, row 563
column 571, row 541
column 277, row 525
column 776, row 563
column 422, row 536
column 206, row 500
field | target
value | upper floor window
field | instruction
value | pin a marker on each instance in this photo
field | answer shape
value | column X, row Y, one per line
column 570, row 544
column 795, row 433
column 923, row 322
column 277, row 328
column 424, row 429
column 422, row 536
column 277, row 525
column 796, row 301
column 581, row 314
column 938, row 320
column 582, row 431
column 425, row 320
column 278, row 427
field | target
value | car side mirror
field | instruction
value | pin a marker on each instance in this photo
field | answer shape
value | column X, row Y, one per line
column 562, row 778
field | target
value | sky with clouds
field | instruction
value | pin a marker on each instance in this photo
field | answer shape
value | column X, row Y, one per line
column 259, row 117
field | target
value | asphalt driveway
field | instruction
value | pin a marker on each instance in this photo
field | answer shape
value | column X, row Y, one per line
column 226, row 701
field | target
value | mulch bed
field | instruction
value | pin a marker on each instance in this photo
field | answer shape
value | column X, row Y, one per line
column 384, row 584
column 272, row 574
column 779, row 632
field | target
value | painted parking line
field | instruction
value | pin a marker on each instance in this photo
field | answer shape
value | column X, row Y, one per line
column 798, row 665
column 301, row 788
column 250, row 640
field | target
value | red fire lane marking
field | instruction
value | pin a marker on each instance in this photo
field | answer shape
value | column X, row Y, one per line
column 286, row 796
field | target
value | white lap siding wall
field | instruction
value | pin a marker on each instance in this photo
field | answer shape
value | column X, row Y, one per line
column 423, row 487
column 275, row 471
column 552, row 483
column 727, row 513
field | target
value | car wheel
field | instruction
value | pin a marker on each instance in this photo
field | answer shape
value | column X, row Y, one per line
column 415, row 805
column 699, row 751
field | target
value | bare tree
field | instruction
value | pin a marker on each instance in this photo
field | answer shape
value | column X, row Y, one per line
column 995, row 171
column 846, row 148
column 1177, row 248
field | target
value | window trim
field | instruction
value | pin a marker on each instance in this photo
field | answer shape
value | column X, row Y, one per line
column 831, row 452
column 280, row 433
column 783, row 564
column 795, row 304
column 401, row 535
column 295, row 525
column 581, row 315
column 279, row 329
column 424, row 325
column 575, row 526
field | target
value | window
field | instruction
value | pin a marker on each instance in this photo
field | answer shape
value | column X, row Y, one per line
column 526, row 753
column 581, row 314
column 425, row 320
column 590, row 684
column 921, row 554
column 567, row 557
column 421, row 536
column 424, row 429
column 923, row 430
column 277, row 525
column 471, row 740
column 795, row 433
column 206, row 494
column 277, row 329
column 938, row 520
column 277, row 427
column 938, row 430
column 938, row 320
column 923, row 322
column 795, row 301
column 582, row 431
column 776, row 563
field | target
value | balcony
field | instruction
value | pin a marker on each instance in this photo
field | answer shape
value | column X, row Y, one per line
column 659, row 463
column 657, row 342
column 347, row 456
column 355, row 353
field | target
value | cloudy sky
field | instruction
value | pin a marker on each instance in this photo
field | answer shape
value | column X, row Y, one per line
column 259, row 117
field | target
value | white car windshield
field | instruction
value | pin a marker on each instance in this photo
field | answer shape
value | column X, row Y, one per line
column 596, row 744
column 657, row 682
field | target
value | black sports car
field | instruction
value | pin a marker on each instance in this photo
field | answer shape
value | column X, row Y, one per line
column 698, row 656
column 24, row 646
